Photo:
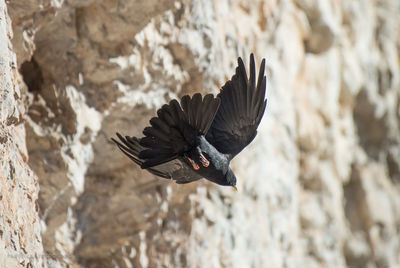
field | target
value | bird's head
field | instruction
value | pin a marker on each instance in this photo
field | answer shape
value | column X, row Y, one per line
column 227, row 179
column 231, row 179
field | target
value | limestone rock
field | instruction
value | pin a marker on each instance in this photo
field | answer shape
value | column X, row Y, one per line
column 319, row 186
column 20, row 238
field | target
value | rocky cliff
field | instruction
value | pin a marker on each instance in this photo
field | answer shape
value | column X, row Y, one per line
column 319, row 186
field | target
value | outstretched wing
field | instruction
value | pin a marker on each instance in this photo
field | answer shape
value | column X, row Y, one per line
column 175, row 129
column 241, row 109
column 174, row 169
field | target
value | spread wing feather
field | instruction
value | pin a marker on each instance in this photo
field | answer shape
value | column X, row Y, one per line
column 174, row 130
column 242, row 107
column 174, row 169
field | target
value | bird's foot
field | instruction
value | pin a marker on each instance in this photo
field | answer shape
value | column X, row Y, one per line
column 204, row 161
column 195, row 166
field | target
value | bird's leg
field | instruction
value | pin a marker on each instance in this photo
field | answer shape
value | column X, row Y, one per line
column 195, row 166
column 204, row 161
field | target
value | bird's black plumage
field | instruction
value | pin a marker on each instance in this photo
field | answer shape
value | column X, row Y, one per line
column 198, row 137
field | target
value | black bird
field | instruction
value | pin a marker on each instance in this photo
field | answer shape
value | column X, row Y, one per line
column 199, row 137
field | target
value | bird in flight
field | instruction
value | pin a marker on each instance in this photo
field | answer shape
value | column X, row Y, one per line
column 199, row 136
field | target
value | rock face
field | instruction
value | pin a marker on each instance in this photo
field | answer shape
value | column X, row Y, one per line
column 319, row 186
column 20, row 239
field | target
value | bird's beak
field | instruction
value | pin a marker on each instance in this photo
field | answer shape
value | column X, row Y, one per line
column 235, row 187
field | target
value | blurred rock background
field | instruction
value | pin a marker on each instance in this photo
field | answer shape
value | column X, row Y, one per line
column 319, row 186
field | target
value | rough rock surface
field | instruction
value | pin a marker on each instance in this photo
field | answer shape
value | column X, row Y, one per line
column 20, row 239
column 319, row 186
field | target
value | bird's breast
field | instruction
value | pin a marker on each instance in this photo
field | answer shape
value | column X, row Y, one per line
column 218, row 163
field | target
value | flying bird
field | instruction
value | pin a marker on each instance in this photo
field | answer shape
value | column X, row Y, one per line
column 199, row 136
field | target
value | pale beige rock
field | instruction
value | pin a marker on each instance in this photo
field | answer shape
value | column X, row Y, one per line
column 319, row 186
column 20, row 238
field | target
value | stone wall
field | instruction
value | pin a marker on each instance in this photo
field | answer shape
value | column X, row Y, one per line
column 319, row 186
